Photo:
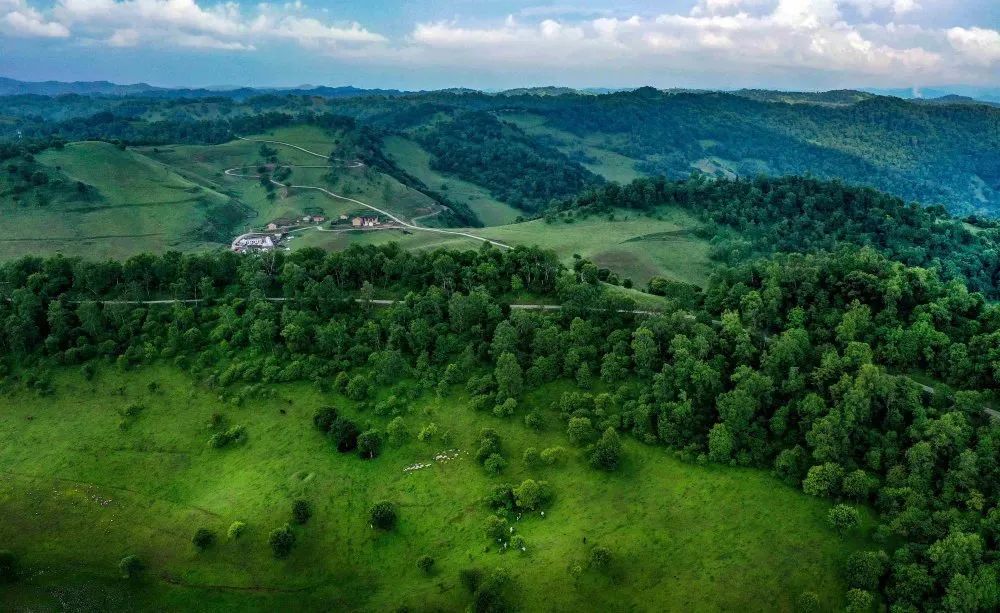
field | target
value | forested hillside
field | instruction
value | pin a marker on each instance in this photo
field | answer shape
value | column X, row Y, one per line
column 800, row 365
column 932, row 153
column 763, row 216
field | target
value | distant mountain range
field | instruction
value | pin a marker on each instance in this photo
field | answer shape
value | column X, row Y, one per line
column 958, row 94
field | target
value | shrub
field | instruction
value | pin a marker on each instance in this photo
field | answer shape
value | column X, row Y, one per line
column 534, row 420
column 427, row 432
column 369, row 444
column 501, row 497
column 203, row 538
column 130, row 567
column 9, row 567
column 281, row 540
column 236, row 529
column 600, row 558
column 236, row 434
column 864, row 569
column 425, row 563
column 554, row 455
column 382, row 515
column 531, row 457
column 471, row 578
column 506, row 409
column 301, row 511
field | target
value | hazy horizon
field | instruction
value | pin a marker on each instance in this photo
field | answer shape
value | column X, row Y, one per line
column 796, row 45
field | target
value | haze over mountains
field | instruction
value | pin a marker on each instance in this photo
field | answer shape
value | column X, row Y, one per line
column 13, row 87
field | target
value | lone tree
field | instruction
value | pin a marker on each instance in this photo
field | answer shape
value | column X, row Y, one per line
column 203, row 538
column 130, row 567
column 301, row 511
column 382, row 515
column 281, row 540
column 425, row 563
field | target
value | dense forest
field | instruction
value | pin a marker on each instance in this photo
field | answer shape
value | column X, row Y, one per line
column 801, row 364
column 762, row 216
column 517, row 169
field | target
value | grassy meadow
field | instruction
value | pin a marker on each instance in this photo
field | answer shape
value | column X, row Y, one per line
column 79, row 492
column 634, row 245
column 138, row 205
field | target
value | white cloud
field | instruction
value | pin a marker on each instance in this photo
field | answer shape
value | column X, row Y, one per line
column 979, row 45
column 726, row 39
column 19, row 19
column 186, row 23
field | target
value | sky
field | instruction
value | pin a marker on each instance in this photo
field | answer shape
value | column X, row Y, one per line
column 495, row 44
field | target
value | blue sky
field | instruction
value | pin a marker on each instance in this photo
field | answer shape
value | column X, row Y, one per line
column 422, row 44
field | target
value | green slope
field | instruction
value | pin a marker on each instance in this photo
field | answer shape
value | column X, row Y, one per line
column 79, row 492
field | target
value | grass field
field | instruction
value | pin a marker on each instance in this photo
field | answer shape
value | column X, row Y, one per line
column 414, row 159
column 78, row 493
column 141, row 206
column 601, row 161
column 634, row 245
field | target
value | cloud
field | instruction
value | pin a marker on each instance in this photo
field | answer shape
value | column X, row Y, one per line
column 188, row 24
column 978, row 45
column 736, row 40
column 19, row 19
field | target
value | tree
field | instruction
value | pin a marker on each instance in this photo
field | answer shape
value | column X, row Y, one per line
column 9, row 567
column 324, row 418
column 281, row 540
column 301, row 511
column 425, row 563
column 531, row 457
column 720, row 444
column 495, row 464
column 203, row 538
column 823, row 479
column 859, row 601
column 397, row 431
column 382, row 515
column 607, row 451
column 344, row 433
column 130, row 566
column 580, row 430
column 808, row 602
column 864, row 569
column 358, row 388
column 369, row 444
column 497, row 528
column 843, row 518
column 531, row 494
column 508, row 375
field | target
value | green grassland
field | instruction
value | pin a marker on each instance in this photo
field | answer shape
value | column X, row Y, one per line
column 414, row 159
column 634, row 245
column 137, row 206
column 79, row 492
column 208, row 164
column 599, row 160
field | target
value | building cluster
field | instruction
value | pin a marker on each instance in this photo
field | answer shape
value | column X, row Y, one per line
column 365, row 222
column 255, row 242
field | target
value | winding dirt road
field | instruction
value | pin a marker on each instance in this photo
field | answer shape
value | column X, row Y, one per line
column 235, row 172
